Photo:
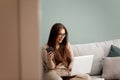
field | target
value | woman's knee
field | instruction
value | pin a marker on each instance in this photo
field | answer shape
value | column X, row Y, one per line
column 87, row 77
column 83, row 77
column 52, row 78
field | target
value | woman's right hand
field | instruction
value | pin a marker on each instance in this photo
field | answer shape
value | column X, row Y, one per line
column 50, row 55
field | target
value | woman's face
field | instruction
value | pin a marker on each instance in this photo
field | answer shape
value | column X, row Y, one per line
column 61, row 36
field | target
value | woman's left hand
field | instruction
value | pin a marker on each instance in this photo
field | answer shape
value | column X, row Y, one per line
column 69, row 70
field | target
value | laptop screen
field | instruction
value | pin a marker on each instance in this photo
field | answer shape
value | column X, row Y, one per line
column 82, row 64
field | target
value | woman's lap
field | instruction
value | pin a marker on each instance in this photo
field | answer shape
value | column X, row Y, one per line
column 52, row 75
column 81, row 77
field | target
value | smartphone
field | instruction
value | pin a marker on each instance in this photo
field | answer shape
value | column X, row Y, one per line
column 49, row 49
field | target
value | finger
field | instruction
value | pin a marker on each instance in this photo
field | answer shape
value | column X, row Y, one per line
column 51, row 55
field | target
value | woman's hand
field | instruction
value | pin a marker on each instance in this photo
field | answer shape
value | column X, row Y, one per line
column 50, row 55
column 69, row 70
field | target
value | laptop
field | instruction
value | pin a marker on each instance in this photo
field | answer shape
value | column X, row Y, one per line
column 81, row 65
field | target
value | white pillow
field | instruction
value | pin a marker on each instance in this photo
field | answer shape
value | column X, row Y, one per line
column 111, row 68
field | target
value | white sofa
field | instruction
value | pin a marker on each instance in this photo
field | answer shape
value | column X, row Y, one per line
column 99, row 50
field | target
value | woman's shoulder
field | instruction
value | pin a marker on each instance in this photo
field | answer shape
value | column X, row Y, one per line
column 68, row 44
column 45, row 46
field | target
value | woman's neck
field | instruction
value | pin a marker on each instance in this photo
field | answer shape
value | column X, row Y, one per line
column 57, row 45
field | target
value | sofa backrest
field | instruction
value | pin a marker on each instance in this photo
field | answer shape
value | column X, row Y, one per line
column 98, row 49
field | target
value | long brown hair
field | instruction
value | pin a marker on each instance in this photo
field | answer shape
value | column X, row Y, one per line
column 63, row 53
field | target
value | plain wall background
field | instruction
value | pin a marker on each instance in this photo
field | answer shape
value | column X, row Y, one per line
column 86, row 20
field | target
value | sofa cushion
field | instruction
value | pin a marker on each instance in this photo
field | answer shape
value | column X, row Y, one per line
column 111, row 68
column 114, row 51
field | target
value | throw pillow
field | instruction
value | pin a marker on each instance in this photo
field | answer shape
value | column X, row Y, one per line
column 111, row 68
column 114, row 51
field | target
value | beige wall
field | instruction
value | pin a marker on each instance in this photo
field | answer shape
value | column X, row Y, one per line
column 19, row 40
column 29, row 40
column 9, row 43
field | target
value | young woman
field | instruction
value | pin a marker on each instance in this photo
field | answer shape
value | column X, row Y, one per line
column 57, row 61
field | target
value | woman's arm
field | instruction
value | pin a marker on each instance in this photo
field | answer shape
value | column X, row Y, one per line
column 47, row 63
